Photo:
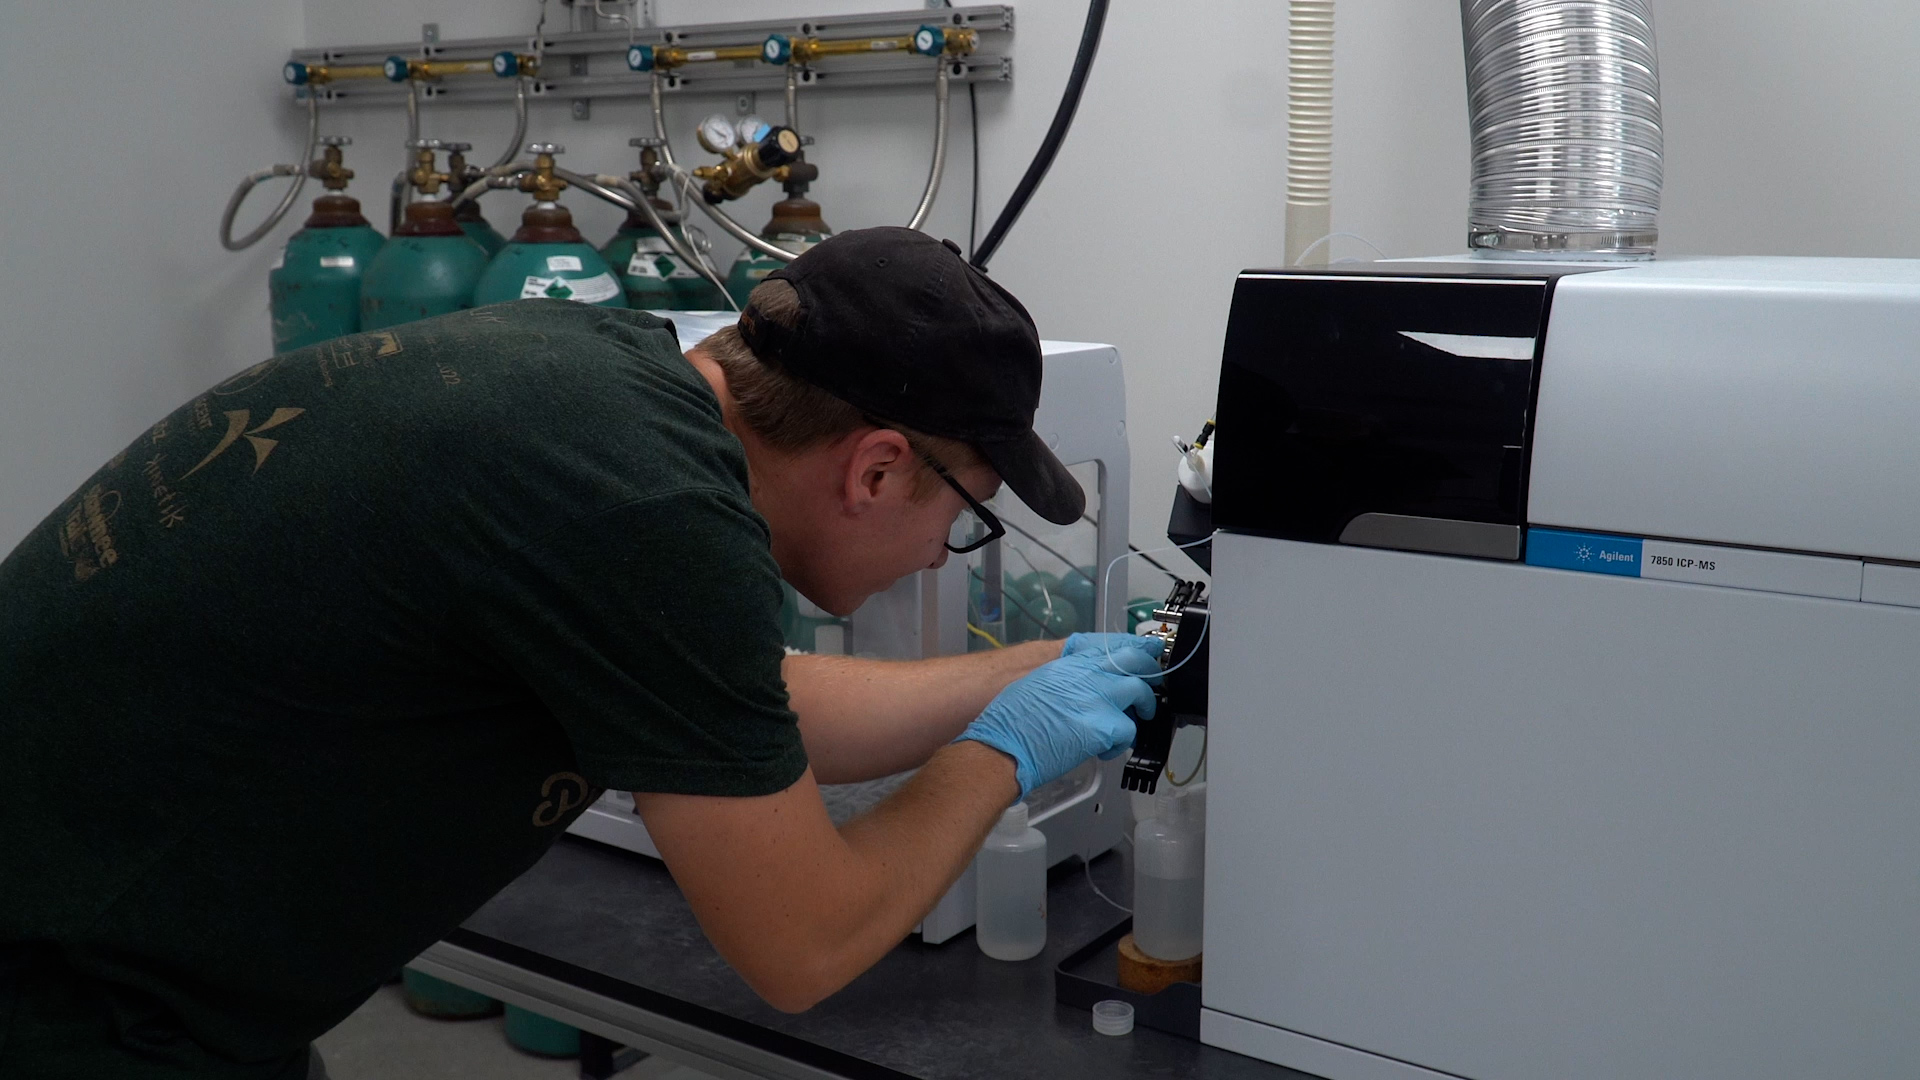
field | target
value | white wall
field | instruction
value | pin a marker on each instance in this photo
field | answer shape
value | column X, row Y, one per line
column 1787, row 132
column 126, row 126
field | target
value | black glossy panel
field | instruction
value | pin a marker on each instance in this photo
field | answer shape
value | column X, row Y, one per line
column 1327, row 411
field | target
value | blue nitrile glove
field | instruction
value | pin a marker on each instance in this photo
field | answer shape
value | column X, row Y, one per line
column 1064, row 712
column 1101, row 644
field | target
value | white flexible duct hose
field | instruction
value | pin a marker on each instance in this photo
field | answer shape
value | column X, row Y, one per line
column 1563, row 97
column 1309, row 128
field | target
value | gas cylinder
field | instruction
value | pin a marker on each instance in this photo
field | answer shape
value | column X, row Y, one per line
column 547, row 256
column 467, row 214
column 429, row 267
column 796, row 225
column 314, row 287
column 653, row 275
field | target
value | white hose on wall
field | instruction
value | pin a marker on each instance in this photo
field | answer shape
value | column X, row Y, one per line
column 1563, row 98
column 1309, row 127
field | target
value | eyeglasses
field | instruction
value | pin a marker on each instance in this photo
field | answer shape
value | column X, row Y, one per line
column 965, row 534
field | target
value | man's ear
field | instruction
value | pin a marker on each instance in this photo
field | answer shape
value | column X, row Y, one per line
column 880, row 465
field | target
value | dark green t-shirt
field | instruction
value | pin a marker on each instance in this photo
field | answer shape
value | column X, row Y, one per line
column 336, row 650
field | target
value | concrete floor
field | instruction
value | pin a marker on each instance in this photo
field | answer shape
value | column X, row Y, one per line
column 384, row 1040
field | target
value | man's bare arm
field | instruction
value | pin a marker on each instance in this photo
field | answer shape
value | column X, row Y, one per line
column 799, row 909
column 863, row 719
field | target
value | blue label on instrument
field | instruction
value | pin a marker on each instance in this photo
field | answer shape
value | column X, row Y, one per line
column 1595, row 553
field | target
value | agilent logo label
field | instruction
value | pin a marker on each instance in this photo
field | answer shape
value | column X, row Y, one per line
column 1596, row 553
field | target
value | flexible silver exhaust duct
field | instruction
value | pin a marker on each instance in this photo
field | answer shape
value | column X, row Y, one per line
column 1563, row 97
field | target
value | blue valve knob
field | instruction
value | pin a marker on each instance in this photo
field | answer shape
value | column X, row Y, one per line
column 506, row 65
column 777, row 49
column 640, row 58
column 295, row 73
column 929, row 41
column 395, row 69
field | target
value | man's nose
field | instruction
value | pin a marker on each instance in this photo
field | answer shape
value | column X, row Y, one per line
column 939, row 560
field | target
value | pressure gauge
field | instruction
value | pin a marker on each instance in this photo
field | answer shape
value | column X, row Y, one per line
column 751, row 129
column 716, row 134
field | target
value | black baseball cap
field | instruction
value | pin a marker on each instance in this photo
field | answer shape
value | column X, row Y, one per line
column 900, row 326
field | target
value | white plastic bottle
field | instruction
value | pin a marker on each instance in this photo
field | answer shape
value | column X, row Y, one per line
column 1010, row 889
column 1169, row 874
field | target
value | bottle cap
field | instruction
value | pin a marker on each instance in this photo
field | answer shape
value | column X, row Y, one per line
column 1183, row 804
column 1112, row 1017
column 1013, row 821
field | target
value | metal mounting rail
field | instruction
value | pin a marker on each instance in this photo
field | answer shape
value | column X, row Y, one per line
column 588, row 64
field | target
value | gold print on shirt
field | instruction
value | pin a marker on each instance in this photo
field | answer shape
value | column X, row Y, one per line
column 347, row 352
column 84, row 537
column 564, row 791
column 167, row 501
column 237, row 421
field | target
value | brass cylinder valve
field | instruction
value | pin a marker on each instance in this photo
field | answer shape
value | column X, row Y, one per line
column 652, row 171
column 746, row 166
column 330, row 167
column 459, row 173
column 545, row 186
column 423, row 176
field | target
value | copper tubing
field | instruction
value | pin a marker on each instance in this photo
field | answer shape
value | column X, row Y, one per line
column 326, row 73
column 668, row 57
column 807, row 50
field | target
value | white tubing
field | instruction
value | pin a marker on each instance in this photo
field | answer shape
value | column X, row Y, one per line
column 1309, row 127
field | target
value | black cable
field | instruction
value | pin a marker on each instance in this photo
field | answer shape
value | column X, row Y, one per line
column 1155, row 563
column 1143, row 556
column 973, row 218
column 1051, row 550
column 1056, row 134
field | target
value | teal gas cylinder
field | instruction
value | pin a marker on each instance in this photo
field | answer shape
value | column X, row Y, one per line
column 652, row 274
column 1038, row 608
column 1077, row 586
column 477, row 228
column 467, row 215
column 796, row 226
column 428, row 268
column 1140, row 609
column 547, row 257
column 314, row 288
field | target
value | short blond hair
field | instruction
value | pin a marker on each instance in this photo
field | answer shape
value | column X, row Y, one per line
column 792, row 415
